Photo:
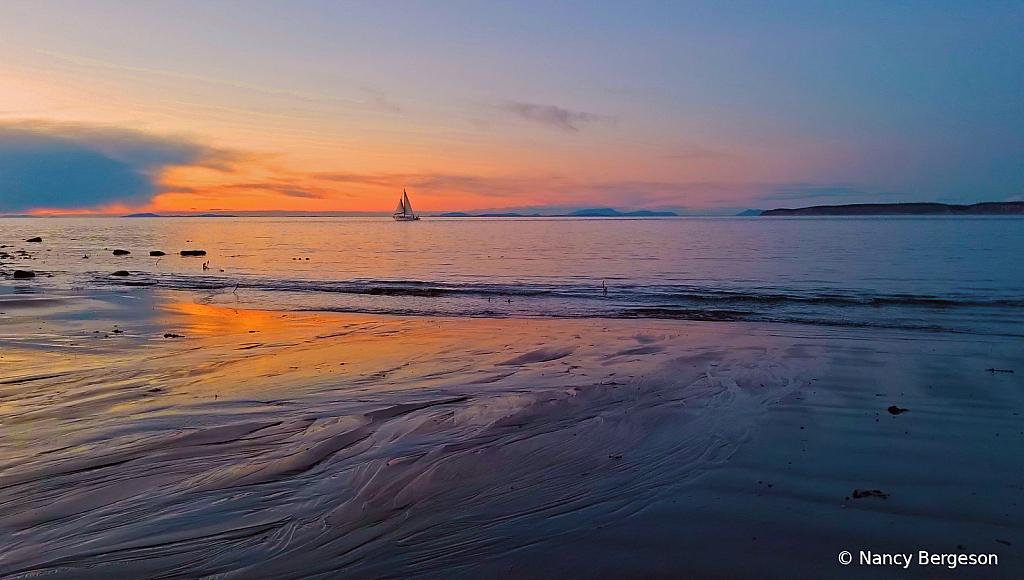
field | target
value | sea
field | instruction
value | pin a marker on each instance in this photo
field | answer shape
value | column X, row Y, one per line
column 503, row 424
column 944, row 274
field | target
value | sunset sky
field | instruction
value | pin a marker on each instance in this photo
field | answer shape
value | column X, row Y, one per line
column 336, row 106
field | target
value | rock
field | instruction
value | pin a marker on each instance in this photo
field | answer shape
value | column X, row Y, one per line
column 859, row 493
column 157, row 253
column 35, row 239
column 193, row 252
column 121, row 273
column 121, row 252
column 22, row 274
column 896, row 410
column 172, row 335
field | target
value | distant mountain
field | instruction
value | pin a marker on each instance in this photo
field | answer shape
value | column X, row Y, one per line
column 464, row 214
column 141, row 215
column 609, row 212
column 987, row 208
column 750, row 212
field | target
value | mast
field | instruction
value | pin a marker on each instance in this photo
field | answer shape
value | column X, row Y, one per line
column 408, row 206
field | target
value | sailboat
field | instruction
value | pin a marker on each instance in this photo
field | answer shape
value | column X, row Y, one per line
column 403, row 213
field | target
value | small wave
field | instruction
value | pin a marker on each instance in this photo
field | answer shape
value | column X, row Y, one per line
column 627, row 292
column 865, row 299
column 496, row 299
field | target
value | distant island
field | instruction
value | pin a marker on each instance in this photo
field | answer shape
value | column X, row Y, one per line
column 464, row 214
column 144, row 215
column 609, row 212
column 592, row 212
column 987, row 208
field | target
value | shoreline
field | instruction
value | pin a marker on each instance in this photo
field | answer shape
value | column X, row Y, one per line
column 474, row 448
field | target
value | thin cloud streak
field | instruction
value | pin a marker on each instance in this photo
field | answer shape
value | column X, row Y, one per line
column 381, row 102
column 551, row 116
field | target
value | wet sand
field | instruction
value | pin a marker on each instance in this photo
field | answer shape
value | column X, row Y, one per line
column 281, row 445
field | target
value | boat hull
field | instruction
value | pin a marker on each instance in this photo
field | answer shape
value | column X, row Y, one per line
column 403, row 218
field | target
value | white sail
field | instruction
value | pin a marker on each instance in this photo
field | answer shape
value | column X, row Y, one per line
column 400, row 210
column 408, row 206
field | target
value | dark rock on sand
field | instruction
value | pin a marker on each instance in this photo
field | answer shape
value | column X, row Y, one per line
column 35, row 239
column 157, row 253
column 859, row 493
column 121, row 273
column 121, row 252
column 896, row 410
column 22, row 274
column 193, row 252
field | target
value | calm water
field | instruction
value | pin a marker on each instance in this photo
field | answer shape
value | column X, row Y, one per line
column 960, row 274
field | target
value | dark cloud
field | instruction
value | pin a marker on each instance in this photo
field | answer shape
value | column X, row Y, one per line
column 304, row 193
column 281, row 188
column 54, row 165
column 551, row 116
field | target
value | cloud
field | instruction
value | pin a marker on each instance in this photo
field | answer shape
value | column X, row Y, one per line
column 380, row 101
column 65, row 165
column 281, row 188
column 551, row 116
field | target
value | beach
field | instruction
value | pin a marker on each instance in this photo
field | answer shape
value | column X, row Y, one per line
column 148, row 434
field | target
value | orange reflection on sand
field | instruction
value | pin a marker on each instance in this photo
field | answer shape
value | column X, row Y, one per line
column 202, row 319
column 231, row 351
